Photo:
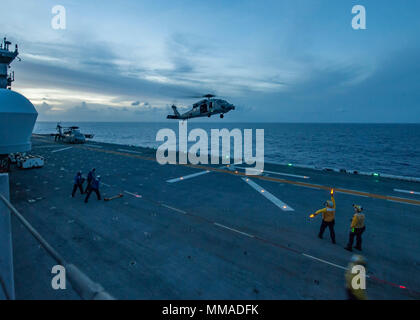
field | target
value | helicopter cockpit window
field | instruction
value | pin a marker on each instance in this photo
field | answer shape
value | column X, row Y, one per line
column 203, row 108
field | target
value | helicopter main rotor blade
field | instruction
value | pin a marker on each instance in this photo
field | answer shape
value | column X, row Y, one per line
column 199, row 96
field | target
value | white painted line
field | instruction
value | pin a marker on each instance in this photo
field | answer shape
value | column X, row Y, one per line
column 105, row 184
column 329, row 263
column 47, row 146
column 234, row 230
column 326, row 262
column 174, row 209
column 61, row 149
column 278, row 173
column 188, row 176
column 129, row 151
column 283, row 206
column 407, row 191
column 93, row 146
column 133, row 194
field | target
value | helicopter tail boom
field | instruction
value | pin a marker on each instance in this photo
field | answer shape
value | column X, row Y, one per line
column 176, row 114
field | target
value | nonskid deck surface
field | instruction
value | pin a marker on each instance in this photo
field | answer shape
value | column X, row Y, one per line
column 208, row 232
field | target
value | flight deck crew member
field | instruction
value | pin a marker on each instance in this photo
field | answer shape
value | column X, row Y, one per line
column 352, row 292
column 357, row 228
column 78, row 183
column 90, row 177
column 328, row 217
column 94, row 186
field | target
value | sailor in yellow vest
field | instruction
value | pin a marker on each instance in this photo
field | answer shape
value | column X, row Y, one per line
column 328, row 217
column 357, row 228
column 356, row 278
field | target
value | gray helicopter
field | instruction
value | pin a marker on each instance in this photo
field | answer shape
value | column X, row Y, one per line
column 70, row 134
column 204, row 108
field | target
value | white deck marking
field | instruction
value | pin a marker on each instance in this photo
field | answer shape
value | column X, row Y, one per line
column 234, row 230
column 283, row 206
column 46, row 146
column 105, row 184
column 278, row 173
column 188, row 176
column 129, row 151
column 93, row 146
column 326, row 262
column 407, row 191
column 61, row 149
column 133, row 194
column 174, row 209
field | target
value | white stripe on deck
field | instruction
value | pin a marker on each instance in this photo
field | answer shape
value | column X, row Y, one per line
column 407, row 191
column 61, row 149
column 324, row 261
column 42, row 146
column 283, row 206
column 234, row 230
column 133, row 194
column 172, row 208
column 278, row 173
column 188, row 176
column 93, row 146
column 129, row 151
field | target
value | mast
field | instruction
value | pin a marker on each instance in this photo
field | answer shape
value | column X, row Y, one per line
column 6, row 58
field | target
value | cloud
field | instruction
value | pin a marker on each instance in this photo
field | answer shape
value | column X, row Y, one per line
column 389, row 92
column 276, row 62
column 97, row 112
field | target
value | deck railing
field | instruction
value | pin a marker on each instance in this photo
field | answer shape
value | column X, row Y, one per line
column 81, row 283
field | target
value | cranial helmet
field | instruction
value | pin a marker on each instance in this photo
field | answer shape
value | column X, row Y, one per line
column 358, row 259
column 357, row 207
column 329, row 203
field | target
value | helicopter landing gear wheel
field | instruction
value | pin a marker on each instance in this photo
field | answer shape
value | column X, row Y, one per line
column 222, row 116
column 209, row 115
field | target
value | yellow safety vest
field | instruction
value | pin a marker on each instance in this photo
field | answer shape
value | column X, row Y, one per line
column 358, row 221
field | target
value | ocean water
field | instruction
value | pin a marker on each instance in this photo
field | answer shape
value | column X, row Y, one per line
column 383, row 148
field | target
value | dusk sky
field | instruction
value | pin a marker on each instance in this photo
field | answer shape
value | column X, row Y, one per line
column 277, row 61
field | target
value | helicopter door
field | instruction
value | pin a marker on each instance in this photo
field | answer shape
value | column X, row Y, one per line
column 203, row 108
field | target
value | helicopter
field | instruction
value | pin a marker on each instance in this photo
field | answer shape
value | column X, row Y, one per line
column 70, row 134
column 204, row 108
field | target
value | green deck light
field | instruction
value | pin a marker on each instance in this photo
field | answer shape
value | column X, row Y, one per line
column 290, row 164
column 376, row 174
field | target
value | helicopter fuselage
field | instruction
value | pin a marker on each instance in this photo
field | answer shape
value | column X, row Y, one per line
column 204, row 108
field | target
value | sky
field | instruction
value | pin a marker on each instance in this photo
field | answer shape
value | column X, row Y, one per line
column 277, row 61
